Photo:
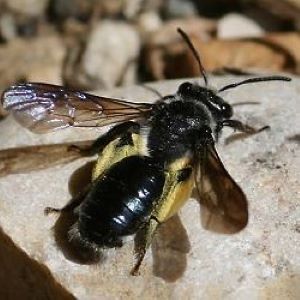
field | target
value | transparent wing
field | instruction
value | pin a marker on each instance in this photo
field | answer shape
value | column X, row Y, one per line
column 224, row 207
column 43, row 107
column 31, row 158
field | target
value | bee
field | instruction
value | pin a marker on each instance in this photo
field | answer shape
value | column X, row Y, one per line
column 149, row 161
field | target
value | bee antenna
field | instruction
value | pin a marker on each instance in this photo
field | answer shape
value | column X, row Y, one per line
column 253, row 80
column 196, row 54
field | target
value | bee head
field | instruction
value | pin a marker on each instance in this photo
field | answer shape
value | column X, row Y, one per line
column 216, row 105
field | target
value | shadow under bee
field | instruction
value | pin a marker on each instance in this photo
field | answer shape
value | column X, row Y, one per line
column 73, row 250
column 169, row 249
column 235, row 137
column 170, row 246
column 294, row 138
column 242, row 135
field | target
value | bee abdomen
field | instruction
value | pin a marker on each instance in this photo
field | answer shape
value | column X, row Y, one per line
column 121, row 200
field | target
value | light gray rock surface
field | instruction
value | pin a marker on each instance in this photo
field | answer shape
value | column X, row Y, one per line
column 261, row 262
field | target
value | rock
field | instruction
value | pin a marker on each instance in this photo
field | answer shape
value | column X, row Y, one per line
column 165, row 42
column 261, row 262
column 8, row 27
column 33, row 8
column 131, row 8
column 178, row 8
column 62, row 9
column 167, row 34
column 151, row 5
column 148, row 22
column 37, row 59
column 238, row 26
column 110, row 55
column 285, row 10
column 85, row 9
column 276, row 52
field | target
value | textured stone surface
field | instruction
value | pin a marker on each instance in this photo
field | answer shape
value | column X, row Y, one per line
column 186, row 262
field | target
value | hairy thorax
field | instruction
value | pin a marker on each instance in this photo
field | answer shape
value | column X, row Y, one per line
column 174, row 126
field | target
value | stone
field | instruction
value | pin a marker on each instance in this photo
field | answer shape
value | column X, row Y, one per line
column 235, row 25
column 177, row 9
column 285, row 10
column 110, row 55
column 62, row 9
column 33, row 8
column 8, row 27
column 185, row 261
column 38, row 59
column 148, row 22
column 131, row 8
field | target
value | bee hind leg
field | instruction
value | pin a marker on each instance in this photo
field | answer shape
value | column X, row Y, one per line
column 71, row 205
column 145, row 236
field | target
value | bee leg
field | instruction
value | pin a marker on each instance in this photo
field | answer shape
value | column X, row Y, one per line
column 71, row 205
column 238, row 125
column 105, row 139
column 148, row 231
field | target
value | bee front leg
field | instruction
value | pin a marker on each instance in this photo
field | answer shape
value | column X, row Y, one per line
column 238, row 125
column 145, row 238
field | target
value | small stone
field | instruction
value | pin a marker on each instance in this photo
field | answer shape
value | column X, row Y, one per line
column 32, row 8
column 131, row 8
column 179, row 8
column 36, row 59
column 8, row 28
column 71, row 8
column 148, row 22
column 110, row 54
column 238, row 26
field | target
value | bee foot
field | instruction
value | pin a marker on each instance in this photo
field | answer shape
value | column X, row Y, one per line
column 135, row 271
column 49, row 210
column 264, row 128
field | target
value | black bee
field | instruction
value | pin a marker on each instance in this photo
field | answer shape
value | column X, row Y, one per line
column 148, row 162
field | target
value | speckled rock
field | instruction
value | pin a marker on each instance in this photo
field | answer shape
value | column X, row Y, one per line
column 185, row 262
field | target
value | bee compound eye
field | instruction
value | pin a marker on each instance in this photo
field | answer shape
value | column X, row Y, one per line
column 185, row 88
column 227, row 111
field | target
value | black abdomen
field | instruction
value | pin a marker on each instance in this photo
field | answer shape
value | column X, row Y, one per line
column 120, row 200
